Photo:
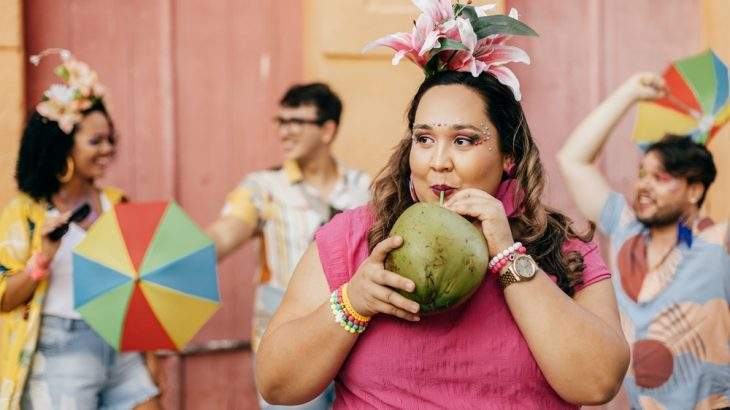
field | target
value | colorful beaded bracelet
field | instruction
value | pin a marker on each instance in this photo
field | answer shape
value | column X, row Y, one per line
column 348, row 306
column 343, row 316
column 503, row 258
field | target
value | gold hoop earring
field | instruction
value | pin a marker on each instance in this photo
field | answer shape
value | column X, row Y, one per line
column 69, row 171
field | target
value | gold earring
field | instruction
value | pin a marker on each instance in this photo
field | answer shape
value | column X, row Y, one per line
column 69, row 171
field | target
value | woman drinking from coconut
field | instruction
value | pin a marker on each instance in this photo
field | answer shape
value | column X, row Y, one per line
column 542, row 328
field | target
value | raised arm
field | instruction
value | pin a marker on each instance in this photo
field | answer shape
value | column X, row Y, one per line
column 239, row 220
column 228, row 233
column 576, row 158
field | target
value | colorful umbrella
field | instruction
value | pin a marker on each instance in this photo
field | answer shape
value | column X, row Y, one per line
column 145, row 277
column 697, row 103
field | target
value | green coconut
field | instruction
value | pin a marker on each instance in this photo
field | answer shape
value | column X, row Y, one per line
column 442, row 253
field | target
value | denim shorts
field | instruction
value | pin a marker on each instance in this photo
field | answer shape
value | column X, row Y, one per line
column 74, row 368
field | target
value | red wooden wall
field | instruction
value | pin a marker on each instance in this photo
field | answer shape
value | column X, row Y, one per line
column 192, row 87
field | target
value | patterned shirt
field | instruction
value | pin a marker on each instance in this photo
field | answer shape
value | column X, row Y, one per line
column 20, row 224
column 286, row 212
column 675, row 316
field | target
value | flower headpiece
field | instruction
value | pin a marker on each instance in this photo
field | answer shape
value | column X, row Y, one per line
column 461, row 37
column 65, row 103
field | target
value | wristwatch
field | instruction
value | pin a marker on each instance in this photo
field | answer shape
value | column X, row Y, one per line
column 521, row 269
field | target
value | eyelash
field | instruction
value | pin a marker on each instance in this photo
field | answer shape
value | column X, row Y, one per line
column 472, row 140
column 99, row 139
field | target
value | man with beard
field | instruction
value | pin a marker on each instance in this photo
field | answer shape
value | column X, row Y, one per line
column 282, row 208
column 672, row 267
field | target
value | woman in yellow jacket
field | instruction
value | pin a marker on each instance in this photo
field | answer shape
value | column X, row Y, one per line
column 49, row 358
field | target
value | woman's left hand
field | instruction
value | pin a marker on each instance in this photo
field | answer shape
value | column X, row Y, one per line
column 489, row 211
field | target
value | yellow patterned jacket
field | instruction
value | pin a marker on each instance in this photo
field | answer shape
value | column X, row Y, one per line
column 20, row 225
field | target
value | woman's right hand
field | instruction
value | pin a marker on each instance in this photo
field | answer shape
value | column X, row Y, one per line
column 371, row 289
column 645, row 86
column 49, row 247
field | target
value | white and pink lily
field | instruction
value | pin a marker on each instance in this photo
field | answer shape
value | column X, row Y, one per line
column 415, row 45
column 439, row 11
column 65, row 103
column 489, row 54
column 438, row 21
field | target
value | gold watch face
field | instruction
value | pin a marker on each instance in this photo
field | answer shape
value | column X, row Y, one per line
column 525, row 266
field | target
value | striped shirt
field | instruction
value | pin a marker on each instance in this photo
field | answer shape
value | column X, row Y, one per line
column 286, row 212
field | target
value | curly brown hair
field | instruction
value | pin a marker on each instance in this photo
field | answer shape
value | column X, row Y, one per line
column 543, row 230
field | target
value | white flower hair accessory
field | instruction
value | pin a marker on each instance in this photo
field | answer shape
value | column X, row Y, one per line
column 461, row 37
column 65, row 103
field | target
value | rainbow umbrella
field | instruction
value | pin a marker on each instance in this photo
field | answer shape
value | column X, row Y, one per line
column 697, row 103
column 145, row 277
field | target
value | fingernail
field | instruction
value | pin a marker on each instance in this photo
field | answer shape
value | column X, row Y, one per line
column 414, row 308
column 411, row 287
column 416, row 319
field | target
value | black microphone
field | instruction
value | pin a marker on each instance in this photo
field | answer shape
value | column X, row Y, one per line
column 78, row 215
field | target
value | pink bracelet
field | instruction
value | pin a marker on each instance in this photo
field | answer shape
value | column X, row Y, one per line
column 503, row 258
column 39, row 270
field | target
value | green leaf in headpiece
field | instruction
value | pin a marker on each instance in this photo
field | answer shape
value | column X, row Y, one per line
column 501, row 24
column 62, row 72
column 448, row 44
column 468, row 12
column 432, row 67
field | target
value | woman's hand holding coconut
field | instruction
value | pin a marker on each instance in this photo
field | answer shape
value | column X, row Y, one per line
column 371, row 289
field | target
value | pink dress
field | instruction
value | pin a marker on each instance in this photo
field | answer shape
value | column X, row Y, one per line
column 472, row 357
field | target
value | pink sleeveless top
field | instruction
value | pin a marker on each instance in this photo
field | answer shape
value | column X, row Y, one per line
column 472, row 357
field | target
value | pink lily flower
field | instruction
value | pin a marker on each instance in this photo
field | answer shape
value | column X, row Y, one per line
column 489, row 54
column 415, row 45
column 439, row 11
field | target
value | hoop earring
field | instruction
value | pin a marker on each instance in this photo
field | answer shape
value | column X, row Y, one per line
column 66, row 177
column 412, row 190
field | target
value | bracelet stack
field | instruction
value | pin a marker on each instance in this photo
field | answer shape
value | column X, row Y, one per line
column 39, row 267
column 503, row 258
column 345, row 314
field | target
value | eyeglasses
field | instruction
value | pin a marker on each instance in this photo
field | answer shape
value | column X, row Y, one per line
column 296, row 123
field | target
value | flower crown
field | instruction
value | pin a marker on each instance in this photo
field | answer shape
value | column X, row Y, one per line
column 461, row 37
column 65, row 103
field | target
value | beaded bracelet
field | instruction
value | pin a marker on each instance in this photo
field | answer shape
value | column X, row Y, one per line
column 39, row 269
column 503, row 258
column 344, row 314
column 348, row 306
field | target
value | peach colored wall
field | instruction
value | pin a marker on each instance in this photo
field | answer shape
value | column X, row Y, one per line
column 12, row 111
column 716, row 34
column 192, row 87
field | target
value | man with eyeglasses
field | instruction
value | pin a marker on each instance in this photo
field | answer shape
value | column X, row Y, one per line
column 282, row 208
